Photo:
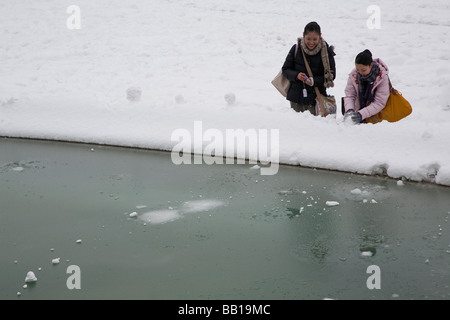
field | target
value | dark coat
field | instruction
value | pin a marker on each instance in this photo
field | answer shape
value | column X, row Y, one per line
column 293, row 66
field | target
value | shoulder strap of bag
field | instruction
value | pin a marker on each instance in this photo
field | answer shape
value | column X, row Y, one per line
column 318, row 94
column 307, row 65
column 391, row 87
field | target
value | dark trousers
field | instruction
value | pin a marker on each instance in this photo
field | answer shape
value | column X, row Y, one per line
column 302, row 108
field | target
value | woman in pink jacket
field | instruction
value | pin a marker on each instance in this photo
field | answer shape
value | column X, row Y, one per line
column 367, row 88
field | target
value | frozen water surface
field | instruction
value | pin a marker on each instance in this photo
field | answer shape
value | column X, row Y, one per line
column 210, row 231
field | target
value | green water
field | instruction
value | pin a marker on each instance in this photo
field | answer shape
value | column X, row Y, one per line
column 234, row 234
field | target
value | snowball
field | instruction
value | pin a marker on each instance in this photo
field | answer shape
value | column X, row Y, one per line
column 356, row 191
column 348, row 121
column 56, row 260
column 366, row 253
column 179, row 98
column 400, row 183
column 31, row 277
column 133, row 214
column 230, row 98
column 134, row 94
column 8, row 101
column 332, row 203
column 78, row 241
column 18, row 169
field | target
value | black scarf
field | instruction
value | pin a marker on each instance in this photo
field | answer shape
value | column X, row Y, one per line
column 365, row 85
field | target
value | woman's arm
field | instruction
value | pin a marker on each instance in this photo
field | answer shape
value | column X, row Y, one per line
column 350, row 94
column 381, row 97
column 289, row 66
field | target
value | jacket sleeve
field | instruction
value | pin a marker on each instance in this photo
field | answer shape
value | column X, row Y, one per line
column 381, row 97
column 289, row 66
column 319, row 80
column 350, row 94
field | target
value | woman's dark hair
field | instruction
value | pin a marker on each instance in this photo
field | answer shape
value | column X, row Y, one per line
column 364, row 58
column 312, row 27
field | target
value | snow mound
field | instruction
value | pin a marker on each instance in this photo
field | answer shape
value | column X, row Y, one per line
column 122, row 80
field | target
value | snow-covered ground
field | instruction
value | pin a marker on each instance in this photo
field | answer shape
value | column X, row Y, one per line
column 187, row 57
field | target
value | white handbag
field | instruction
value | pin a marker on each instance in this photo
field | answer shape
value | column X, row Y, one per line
column 280, row 82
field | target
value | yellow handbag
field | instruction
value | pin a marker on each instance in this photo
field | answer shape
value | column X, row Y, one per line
column 397, row 108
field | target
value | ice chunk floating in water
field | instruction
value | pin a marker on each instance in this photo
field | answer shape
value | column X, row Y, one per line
column 200, row 205
column 367, row 253
column 163, row 216
column 31, row 277
column 160, row 216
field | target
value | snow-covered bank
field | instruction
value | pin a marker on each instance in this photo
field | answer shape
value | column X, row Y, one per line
column 186, row 57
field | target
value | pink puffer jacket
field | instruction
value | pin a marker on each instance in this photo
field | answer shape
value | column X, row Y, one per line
column 380, row 90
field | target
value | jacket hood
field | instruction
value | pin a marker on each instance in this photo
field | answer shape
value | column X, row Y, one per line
column 382, row 64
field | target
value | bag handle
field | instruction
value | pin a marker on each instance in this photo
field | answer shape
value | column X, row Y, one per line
column 391, row 87
column 318, row 94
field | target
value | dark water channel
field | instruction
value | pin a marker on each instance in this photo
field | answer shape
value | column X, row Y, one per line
column 139, row 227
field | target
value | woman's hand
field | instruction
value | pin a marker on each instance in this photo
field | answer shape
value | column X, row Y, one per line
column 352, row 117
column 304, row 78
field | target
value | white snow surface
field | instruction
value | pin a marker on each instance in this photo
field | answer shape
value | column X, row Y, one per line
column 213, row 61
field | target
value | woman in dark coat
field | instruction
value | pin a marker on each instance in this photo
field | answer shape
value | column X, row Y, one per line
column 320, row 57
